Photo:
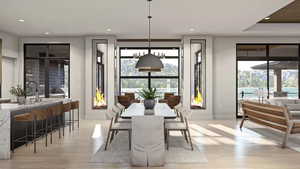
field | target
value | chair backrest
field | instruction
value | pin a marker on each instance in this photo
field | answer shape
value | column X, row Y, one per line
column 148, row 142
column 173, row 101
column 178, row 106
column 66, row 107
column 167, row 95
column 55, row 110
column 121, row 106
column 130, row 95
column 124, row 100
column 116, row 109
column 40, row 114
column 75, row 104
column 273, row 116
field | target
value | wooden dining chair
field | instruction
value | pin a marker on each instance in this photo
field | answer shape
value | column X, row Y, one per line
column 182, row 126
column 115, row 127
column 124, row 100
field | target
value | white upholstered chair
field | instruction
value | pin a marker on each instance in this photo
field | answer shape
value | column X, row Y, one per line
column 115, row 127
column 181, row 126
column 148, row 145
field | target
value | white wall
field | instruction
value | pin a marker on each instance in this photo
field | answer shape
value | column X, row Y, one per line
column 224, row 67
column 9, row 53
column 77, row 65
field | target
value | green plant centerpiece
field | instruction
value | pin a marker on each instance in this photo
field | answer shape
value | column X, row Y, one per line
column 149, row 96
column 19, row 93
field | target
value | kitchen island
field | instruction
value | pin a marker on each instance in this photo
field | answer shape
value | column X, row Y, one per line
column 7, row 127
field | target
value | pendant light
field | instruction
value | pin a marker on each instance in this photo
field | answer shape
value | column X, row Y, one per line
column 149, row 62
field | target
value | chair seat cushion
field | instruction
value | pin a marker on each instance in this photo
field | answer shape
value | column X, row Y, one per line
column 175, row 126
column 121, row 126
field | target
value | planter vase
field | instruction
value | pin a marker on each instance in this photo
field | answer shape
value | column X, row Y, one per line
column 21, row 100
column 149, row 103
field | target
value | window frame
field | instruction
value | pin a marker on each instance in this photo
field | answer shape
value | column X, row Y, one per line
column 47, row 60
column 149, row 76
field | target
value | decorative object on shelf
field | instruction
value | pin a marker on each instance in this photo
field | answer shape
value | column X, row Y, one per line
column 19, row 93
column 99, row 101
column 149, row 62
column 149, row 96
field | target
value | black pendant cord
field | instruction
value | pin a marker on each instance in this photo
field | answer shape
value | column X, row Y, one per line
column 149, row 26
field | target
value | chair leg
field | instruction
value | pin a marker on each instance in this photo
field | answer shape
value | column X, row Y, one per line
column 168, row 141
column 46, row 132
column 185, row 136
column 242, row 123
column 34, row 136
column 107, row 139
column 70, row 121
column 129, row 139
column 51, row 130
column 112, row 136
column 286, row 135
column 59, row 126
column 64, row 122
column 190, row 139
column 78, row 114
column 73, row 120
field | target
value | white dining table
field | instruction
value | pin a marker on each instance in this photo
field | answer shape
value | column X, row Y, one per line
column 138, row 109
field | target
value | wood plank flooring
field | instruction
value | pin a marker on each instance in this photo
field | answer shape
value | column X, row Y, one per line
column 224, row 145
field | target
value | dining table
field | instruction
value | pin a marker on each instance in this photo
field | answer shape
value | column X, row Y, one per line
column 138, row 109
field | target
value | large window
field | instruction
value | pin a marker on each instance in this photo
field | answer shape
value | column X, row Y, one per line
column 131, row 80
column 266, row 71
column 48, row 67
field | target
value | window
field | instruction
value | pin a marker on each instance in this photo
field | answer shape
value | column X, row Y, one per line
column 131, row 80
column 47, row 65
column 271, row 72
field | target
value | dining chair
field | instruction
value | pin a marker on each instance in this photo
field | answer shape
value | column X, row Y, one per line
column 115, row 127
column 148, row 145
column 182, row 126
column 117, row 112
column 121, row 107
column 124, row 100
column 132, row 97
column 173, row 101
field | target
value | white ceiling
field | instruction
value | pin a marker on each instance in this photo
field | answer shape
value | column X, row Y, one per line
column 128, row 17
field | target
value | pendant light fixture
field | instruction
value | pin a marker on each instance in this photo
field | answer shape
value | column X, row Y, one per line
column 149, row 62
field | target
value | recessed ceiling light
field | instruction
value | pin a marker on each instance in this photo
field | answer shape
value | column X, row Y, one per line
column 108, row 29
column 192, row 29
column 267, row 18
column 47, row 33
column 21, row 20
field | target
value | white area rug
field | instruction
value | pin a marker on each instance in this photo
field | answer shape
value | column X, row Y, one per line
column 276, row 136
column 118, row 152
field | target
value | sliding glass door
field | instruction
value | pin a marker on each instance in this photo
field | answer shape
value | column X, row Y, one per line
column 48, row 67
column 267, row 71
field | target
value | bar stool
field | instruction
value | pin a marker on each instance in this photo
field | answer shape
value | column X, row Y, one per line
column 35, row 116
column 66, row 107
column 75, row 106
column 56, row 119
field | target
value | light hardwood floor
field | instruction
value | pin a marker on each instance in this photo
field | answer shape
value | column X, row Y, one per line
column 224, row 146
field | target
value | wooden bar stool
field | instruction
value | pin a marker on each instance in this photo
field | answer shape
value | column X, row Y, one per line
column 75, row 106
column 56, row 119
column 66, row 107
column 35, row 116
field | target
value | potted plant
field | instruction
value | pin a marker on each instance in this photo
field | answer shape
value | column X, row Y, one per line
column 19, row 93
column 149, row 96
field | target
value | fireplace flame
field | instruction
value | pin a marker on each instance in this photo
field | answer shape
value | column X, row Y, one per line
column 198, row 99
column 99, row 98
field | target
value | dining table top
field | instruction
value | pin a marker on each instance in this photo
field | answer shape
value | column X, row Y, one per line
column 138, row 109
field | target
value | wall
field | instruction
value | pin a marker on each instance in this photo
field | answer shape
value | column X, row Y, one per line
column 77, row 65
column 9, row 53
column 224, row 68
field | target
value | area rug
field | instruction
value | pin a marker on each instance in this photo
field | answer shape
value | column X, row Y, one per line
column 293, row 141
column 118, row 152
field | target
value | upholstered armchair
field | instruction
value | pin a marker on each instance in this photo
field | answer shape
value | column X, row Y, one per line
column 124, row 100
column 166, row 96
column 132, row 98
column 173, row 101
